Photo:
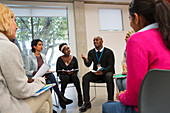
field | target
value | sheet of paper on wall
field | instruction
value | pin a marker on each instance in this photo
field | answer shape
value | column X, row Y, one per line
column 43, row 69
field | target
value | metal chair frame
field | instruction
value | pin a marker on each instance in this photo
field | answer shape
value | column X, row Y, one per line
column 95, row 92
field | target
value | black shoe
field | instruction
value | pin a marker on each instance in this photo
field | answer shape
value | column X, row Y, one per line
column 63, row 105
column 86, row 106
column 69, row 101
column 80, row 101
column 64, row 100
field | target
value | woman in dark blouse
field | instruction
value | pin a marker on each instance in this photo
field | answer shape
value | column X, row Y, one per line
column 67, row 68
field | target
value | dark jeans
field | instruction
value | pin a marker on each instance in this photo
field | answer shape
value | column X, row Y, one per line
column 117, row 107
column 91, row 77
column 50, row 78
column 73, row 78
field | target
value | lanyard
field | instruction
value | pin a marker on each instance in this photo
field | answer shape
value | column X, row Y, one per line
column 98, row 59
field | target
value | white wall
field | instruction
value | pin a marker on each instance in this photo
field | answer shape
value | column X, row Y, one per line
column 112, row 39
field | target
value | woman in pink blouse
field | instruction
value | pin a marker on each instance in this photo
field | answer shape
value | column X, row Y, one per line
column 148, row 48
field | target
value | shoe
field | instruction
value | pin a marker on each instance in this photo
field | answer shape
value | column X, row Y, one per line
column 69, row 101
column 63, row 105
column 86, row 106
column 80, row 101
column 64, row 100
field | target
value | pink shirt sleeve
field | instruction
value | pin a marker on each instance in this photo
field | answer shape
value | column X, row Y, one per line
column 137, row 66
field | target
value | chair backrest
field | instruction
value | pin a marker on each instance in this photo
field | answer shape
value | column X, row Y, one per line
column 154, row 95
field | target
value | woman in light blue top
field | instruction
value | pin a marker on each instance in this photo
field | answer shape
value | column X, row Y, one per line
column 35, row 61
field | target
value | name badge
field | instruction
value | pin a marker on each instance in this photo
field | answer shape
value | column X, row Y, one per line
column 98, row 66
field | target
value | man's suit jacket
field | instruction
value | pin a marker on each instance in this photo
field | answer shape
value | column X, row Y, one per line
column 107, row 60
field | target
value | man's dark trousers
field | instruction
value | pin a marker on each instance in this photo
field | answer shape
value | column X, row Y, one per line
column 91, row 77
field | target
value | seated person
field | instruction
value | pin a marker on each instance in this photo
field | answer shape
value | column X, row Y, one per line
column 15, row 92
column 148, row 48
column 64, row 64
column 101, row 57
column 121, row 82
column 35, row 61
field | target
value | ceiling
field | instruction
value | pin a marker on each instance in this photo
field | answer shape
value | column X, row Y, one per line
column 111, row 0
column 86, row 1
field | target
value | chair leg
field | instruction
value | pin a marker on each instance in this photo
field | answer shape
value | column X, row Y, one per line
column 94, row 93
column 55, row 99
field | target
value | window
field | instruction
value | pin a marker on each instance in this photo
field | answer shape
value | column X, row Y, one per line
column 110, row 20
column 48, row 24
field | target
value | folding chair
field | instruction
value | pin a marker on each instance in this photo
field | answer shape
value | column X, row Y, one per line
column 95, row 94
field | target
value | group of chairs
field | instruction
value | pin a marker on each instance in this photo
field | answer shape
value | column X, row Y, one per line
column 154, row 95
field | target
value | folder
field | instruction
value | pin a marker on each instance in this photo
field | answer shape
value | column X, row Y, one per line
column 44, row 89
column 101, row 68
column 120, row 76
column 72, row 70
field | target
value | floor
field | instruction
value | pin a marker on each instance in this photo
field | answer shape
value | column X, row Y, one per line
column 72, row 94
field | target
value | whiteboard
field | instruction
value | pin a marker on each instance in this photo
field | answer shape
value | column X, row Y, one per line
column 110, row 19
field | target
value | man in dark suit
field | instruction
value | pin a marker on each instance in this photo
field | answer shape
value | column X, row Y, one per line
column 101, row 57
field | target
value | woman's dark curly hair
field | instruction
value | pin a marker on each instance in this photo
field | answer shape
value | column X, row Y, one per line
column 61, row 45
